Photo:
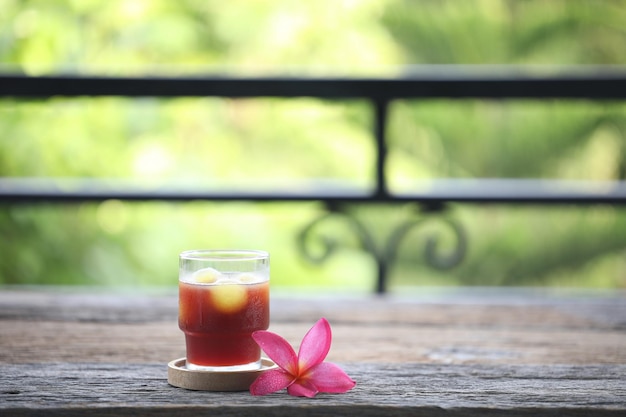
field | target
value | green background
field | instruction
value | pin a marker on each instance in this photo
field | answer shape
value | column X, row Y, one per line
column 201, row 141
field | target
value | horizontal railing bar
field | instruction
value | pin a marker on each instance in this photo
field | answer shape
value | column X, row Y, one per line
column 517, row 191
column 601, row 85
column 433, row 193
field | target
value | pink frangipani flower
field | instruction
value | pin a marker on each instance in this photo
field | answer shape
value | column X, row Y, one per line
column 305, row 374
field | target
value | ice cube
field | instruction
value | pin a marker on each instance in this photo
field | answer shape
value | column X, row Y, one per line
column 247, row 278
column 206, row 276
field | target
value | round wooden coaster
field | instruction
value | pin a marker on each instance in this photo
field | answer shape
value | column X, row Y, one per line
column 179, row 376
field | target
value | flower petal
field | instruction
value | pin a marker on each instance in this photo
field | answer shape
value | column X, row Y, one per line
column 328, row 377
column 315, row 346
column 302, row 388
column 271, row 381
column 278, row 349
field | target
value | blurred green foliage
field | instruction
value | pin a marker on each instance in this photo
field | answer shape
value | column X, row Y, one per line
column 200, row 141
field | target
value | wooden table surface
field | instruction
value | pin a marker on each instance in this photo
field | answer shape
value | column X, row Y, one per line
column 438, row 352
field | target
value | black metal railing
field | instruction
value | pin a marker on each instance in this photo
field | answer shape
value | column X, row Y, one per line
column 598, row 84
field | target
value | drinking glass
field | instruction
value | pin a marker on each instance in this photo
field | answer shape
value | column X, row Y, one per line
column 223, row 299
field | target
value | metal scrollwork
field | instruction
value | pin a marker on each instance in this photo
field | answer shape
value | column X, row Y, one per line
column 432, row 252
column 329, row 243
column 434, row 256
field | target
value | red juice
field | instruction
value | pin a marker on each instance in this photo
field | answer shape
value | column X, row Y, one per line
column 218, row 320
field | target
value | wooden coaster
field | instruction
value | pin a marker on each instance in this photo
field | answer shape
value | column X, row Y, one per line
column 179, row 376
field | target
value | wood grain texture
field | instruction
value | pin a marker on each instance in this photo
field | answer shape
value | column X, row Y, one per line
column 383, row 389
column 462, row 353
column 500, row 329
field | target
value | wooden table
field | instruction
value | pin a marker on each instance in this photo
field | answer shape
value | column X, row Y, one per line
column 456, row 352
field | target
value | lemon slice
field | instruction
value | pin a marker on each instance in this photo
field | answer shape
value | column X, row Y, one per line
column 229, row 298
column 206, row 276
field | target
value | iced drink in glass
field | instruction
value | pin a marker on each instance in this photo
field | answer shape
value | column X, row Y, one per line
column 223, row 299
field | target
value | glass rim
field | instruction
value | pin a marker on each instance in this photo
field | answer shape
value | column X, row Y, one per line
column 224, row 255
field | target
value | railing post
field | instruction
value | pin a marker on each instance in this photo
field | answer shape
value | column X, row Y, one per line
column 380, row 127
column 381, row 280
